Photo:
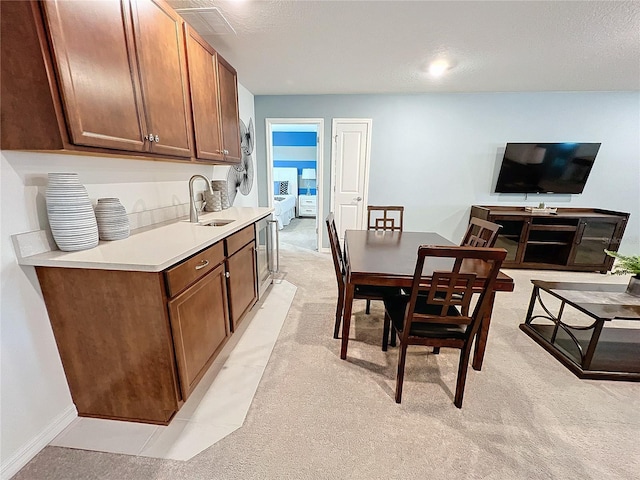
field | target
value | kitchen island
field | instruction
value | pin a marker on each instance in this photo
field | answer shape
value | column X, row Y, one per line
column 139, row 321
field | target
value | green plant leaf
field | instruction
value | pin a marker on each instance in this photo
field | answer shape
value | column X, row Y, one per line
column 624, row 263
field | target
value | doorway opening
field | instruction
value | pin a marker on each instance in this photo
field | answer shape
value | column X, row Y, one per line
column 294, row 178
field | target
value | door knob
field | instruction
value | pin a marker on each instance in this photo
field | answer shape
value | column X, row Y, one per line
column 357, row 199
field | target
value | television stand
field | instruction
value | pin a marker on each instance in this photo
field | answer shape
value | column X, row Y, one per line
column 569, row 239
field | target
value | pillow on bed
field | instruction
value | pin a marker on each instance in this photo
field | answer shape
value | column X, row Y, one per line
column 281, row 188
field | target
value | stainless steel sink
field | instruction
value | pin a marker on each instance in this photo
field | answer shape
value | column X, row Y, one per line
column 216, row 222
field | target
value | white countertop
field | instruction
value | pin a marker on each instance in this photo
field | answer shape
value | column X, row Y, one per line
column 152, row 249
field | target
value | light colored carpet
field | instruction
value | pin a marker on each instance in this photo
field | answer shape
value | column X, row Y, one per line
column 315, row 416
column 301, row 232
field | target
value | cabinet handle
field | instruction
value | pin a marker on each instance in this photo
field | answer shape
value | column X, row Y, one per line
column 150, row 138
column 157, row 139
column 226, row 152
column 202, row 264
column 226, row 274
column 579, row 233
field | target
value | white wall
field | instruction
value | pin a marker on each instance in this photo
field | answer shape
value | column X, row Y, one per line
column 35, row 403
column 438, row 154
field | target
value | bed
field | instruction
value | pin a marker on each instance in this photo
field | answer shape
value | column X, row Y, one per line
column 285, row 194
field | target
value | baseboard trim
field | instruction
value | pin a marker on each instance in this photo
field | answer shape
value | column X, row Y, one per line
column 31, row 449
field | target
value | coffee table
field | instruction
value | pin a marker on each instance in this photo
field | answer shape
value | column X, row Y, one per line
column 599, row 350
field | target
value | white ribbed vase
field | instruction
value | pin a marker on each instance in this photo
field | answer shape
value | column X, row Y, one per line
column 113, row 223
column 71, row 217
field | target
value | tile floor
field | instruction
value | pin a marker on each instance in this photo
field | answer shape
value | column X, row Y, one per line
column 216, row 408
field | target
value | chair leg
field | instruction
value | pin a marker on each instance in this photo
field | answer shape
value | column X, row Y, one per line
column 465, row 353
column 402, row 356
column 436, row 350
column 385, row 332
column 339, row 309
column 368, row 309
column 393, row 336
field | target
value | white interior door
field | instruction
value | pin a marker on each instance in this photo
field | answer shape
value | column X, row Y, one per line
column 350, row 156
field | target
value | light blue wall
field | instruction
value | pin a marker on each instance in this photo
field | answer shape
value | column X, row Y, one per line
column 438, row 154
column 296, row 149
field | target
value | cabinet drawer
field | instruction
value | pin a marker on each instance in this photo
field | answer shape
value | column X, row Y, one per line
column 184, row 274
column 307, row 211
column 239, row 239
column 311, row 202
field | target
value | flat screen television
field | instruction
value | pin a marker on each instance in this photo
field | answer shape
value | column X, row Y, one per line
column 546, row 167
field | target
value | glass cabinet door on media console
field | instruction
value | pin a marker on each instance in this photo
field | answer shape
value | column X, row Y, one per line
column 512, row 236
column 592, row 237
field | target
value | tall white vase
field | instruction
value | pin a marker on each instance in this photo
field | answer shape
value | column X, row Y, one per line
column 71, row 217
column 113, row 223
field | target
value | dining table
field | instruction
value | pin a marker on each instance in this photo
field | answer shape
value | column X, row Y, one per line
column 388, row 258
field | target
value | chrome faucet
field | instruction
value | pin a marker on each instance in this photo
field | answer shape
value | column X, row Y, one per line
column 193, row 212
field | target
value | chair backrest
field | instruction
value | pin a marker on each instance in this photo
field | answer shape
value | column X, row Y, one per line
column 480, row 233
column 336, row 252
column 385, row 217
column 444, row 284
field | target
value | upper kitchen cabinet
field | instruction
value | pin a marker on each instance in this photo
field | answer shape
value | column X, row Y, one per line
column 110, row 77
column 214, row 100
column 97, row 73
column 203, row 81
column 228, row 86
column 160, row 45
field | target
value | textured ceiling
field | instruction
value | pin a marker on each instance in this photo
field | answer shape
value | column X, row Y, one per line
column 321, row 47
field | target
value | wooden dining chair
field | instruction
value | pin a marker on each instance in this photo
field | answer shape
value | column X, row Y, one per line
column 480, row 233
column 432, row 313
column 388, row 217
column 385, row 217
column 362, row 292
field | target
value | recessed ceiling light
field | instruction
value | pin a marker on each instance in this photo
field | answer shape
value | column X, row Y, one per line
column 437, row 68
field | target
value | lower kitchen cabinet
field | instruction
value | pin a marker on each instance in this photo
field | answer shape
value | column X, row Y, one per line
column 243, row 292
column 113, row 334
column 135, row 344
column 242, row 283
column 200, row 326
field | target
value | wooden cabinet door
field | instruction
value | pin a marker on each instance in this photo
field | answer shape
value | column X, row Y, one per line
column 203, row 83
column 200, row 326
column 228, row 85
column 159, row 40
column 242, row 282
column 95, row 61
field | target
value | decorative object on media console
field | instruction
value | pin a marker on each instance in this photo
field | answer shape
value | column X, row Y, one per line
column 240, row 177
column 113, row 223
column 627, row 264
column 221, row 186
column 308, row 174
column 71, row 216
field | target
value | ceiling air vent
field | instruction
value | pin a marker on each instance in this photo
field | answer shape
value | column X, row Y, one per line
column 207, row 20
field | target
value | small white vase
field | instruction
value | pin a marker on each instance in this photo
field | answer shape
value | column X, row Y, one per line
column 71, row 217
column 213, row 201
column 113, row 223
column 221, row 186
